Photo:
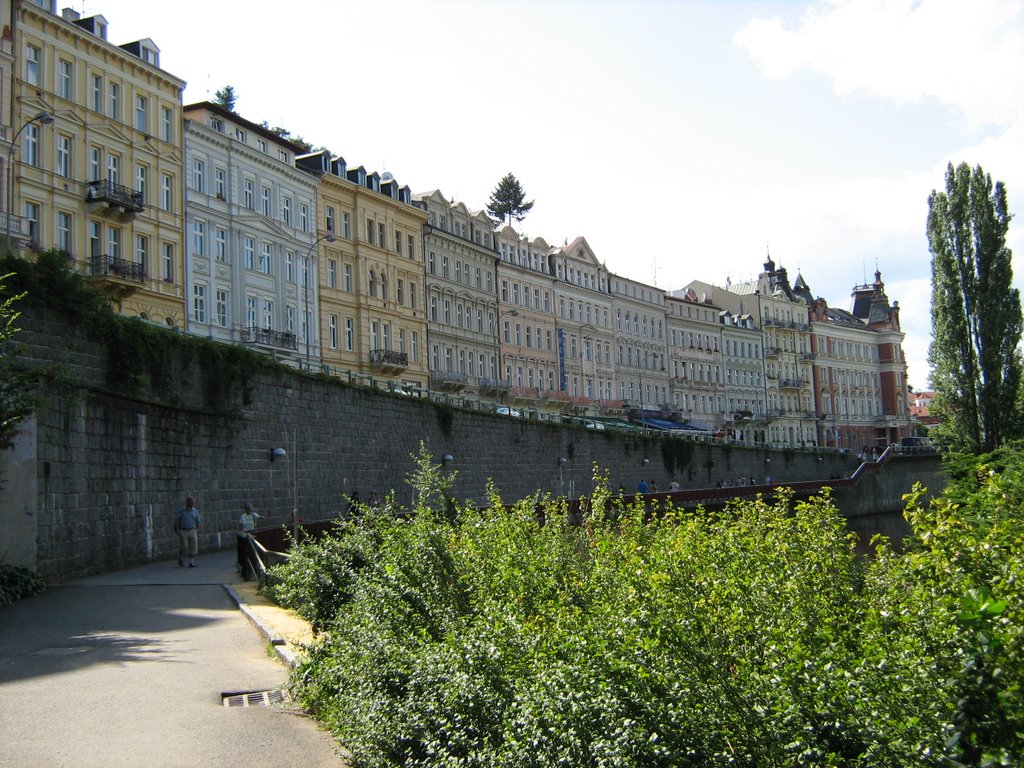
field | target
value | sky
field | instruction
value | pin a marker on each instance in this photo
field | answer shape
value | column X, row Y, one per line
column 684, row 139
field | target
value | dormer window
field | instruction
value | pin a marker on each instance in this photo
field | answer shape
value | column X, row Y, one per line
column 101, row 29
column 149, row 55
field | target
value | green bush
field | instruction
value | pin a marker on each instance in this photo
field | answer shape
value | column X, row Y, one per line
column 751, row 637
column 17, row 582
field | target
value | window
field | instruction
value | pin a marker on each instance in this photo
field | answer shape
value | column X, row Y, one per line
column 329, row 219
column 166, row 124
column 382, row 240
column 113, row 169
column 64, row 156
column 114, row 242
column 265, row 199
column 198, row 175
column 220, row 244
column 220, row 184
column 286, row 210
column 369, row 231
column 142, row 113
column 346, row 225
column 265, row 261
column 168, row 262
column 332, row 273
column 96, row 92
column 165, row 192
column 412, row 247
column 32, row 59
column 289, row 318
column 217, row 124
column 304, row 217
column 347, row 275
column 64, row 231
column 268, row 314
column 332, row 330
column 31, row 142
column 261, row 145
column 289, row 266
column 349, row 334
column 249, row 252
column 141, row 179
column 115, row 101
column 95, row 239
column 250, row 311
column 240, row 135
column 32, row 219
column 222, row 308
column 142, row 251
column 249, row 194
column 199, row 303
column 398, row 242
column 64, row 79
column 199, row 238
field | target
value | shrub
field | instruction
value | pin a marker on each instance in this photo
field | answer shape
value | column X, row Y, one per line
column 17, row 582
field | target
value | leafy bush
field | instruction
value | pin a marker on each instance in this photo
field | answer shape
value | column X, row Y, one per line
column 17, row 582
column 751, row 637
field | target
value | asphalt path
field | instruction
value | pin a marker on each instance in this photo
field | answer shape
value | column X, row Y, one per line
column 130, row 669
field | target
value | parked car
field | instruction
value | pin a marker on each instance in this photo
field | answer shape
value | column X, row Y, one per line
column 504, row 410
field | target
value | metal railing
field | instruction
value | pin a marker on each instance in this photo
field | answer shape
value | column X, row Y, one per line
column 103, row 191
column 269, row 337
column 389, row 357
column 101, row 264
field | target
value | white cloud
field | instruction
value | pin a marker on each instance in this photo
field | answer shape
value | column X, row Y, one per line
column 965, row 55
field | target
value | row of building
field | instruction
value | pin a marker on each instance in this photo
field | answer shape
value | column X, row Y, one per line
column 196, row 218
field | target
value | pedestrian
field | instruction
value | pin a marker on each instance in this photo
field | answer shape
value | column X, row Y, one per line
column 249, row 519
column 653, row 486
column 186, row 525
column 674, row 485
column 642, row 487
column 374, row 500
column 352, row 510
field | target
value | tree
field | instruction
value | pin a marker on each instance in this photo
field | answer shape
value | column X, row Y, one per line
column 16, row 383
column 976, row 313
column 226, row 97
column 507, row 200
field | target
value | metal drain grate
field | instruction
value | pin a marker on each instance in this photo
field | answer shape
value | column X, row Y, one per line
column 253, row 698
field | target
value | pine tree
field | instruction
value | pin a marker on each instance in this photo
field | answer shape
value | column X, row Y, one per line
column 976, row 313
column 507, row 200
column 226, row 97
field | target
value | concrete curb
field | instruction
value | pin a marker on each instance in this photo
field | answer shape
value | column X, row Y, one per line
column 282, row 649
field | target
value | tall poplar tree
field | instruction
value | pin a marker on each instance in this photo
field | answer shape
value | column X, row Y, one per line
column 976, row 313
column 508, row 200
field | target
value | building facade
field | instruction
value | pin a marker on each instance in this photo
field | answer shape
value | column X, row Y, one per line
column 369, row 272
column 97, row 169
column 461, row 295
column 697, row 375
column 641, row 362
column 250, row 228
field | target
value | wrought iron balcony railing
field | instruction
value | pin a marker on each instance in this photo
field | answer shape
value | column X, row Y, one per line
column 101, row 264
column 387, row 357
column 269, row 337
column 112, row 194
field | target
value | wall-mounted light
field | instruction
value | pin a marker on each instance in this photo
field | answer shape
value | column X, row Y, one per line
column 644, row 462
column 767, row 461
column 562, row 461
column 277, row 453
column 447, row 459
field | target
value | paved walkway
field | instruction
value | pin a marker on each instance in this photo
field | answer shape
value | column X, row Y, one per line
column 130, row 669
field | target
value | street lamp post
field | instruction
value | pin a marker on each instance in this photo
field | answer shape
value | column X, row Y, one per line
column 43, row 118
column 329, row 237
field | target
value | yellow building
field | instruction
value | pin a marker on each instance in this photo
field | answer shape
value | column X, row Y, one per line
column 369, row 273
column 97, row 158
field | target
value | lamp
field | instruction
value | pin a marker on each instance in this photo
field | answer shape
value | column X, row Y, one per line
column 277, row 453
column 644, row 462
column 447, row 459
column 329, row 237
column 562, row 461
column 43, row 118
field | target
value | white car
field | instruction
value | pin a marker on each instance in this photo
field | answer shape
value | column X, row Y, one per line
column 591, row 424
column 504, row 410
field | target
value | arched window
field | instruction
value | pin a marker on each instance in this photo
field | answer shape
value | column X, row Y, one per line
column 373, row 283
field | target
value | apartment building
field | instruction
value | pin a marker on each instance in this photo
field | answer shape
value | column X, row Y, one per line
column 695, row 356
column 372, row 317
column 250, row 230
column 860, row 374
column 743, row 364
column 98, row 158
column 529, row 372
column 584, row 325
column 641, row 361
column 461, row 295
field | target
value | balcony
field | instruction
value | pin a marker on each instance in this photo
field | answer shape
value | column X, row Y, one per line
column 449, row 381
column 791, row 383
column 743, row 415
column 117, row 200
column 116, row 276
column 523, row 395
column 557, row 400
column 493, row 386
column 269, row 338
column 18, row 225
column 388, row 361
column 772, row 351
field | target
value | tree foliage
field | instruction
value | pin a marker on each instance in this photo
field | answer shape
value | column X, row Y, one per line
column 976, row 312
column 754, row 637
column 226, row 97
column 508, row 200
column 17, row 383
